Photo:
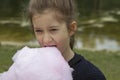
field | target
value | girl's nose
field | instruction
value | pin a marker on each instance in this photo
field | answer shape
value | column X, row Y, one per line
column 47, row 39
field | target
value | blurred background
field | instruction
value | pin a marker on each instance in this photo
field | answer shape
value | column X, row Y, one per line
column 98, row 24
column 97, row 38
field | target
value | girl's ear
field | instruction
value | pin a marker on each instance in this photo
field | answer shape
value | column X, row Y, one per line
column 73, row 27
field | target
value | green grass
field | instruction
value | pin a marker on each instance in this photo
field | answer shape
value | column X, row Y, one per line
column 6, row 53
column 108, row 62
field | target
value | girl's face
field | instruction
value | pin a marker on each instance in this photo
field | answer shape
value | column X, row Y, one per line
column 50, row 32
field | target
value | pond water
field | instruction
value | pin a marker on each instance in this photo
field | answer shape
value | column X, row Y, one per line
column 97, row 43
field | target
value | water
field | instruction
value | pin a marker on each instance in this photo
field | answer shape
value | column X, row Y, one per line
column 97, row 44
column 100, row 34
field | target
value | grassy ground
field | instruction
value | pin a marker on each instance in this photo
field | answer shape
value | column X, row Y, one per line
column 108, row 62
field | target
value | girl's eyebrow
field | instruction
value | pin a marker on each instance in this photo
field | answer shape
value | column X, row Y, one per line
column 37, row 28
column 55, row 26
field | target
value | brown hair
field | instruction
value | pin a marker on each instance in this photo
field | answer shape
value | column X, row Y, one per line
column 65, row 7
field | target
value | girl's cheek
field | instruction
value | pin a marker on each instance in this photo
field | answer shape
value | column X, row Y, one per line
column 60, row 44
column 39, row 40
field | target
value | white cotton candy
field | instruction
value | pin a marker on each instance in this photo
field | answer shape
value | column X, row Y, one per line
column 38, row 64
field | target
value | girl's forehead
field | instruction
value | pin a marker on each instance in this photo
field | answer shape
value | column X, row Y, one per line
column 49, row 13
column 47, row 19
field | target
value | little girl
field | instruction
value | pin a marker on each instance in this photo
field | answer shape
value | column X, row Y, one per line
column 54, row 25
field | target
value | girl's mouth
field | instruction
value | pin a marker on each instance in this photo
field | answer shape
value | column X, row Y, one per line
column 51, row 46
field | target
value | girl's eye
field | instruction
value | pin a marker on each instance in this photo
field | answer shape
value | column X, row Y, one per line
column 54, row 30
column 38, row 31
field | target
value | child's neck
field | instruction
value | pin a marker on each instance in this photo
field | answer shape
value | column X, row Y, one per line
column 68, row 55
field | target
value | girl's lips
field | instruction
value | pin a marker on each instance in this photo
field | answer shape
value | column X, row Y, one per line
column 51, row 46
column 54, row 46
